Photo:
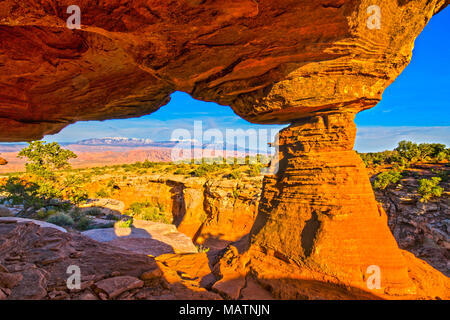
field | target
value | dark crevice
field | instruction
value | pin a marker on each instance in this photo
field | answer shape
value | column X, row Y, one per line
column 309, row 234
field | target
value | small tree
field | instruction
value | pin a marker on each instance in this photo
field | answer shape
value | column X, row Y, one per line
column 44, row 187
column 408, row 150
column 43, row 158
column 384, row 179
column 429, row 188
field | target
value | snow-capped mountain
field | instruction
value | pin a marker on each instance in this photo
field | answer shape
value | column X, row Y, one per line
column 116, row 141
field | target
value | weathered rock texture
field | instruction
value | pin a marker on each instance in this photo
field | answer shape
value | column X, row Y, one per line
column 310, row 63
column 34, row 262
column 419, row 227
column 320, row 212
column 272, row 61
column 145, row 237
column 215, row 210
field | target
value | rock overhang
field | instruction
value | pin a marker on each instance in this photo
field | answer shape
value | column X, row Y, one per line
column 272, row 62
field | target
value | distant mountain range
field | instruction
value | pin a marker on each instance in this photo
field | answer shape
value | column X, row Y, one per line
column 118, row 150
column 116, row 141
column 135, row 142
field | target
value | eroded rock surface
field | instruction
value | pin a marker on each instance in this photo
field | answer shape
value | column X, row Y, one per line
column 319, row 210
column 34, row 262
column 216, row 210
column 43, row 224
column 272, row 62
column 145, row 237
column 5, row 212
column 422, row 228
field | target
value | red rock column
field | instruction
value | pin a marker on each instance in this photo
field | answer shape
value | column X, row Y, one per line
column 319, row 210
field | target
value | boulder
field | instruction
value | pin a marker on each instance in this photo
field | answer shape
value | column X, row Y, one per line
column 105, row 206
column 5, row 212
column 41, row 224
column 113, row 287
column 34, row 264
column 145, row 237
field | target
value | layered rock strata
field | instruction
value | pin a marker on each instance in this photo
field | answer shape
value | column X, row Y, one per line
column 319, row 210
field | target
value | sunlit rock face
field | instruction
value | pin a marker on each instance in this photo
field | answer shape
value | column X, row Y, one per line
column 320, row 211
column 313, row 64
column 272, row 61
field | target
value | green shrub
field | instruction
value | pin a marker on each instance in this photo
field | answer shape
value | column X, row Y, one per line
column 75, row 213
column 111, row 216
column 111, row 183
column 30, row 194
column 102, row 193
column 429, row 188
column 97, row 171
column 235, row 174
column 414, row 152
column 407, row 152
column 182, row 169
column 376, row 158
column 96, row 212
column 255, row 170
column 19, row 191
column 61, row 219
column 147, row 211
column 75, row 195
column 43, row 214
column 443, row 155
column 83, row 223
column 153, row 214
column 202, row 249
column 125, row 223
column 205, row 169
column 80, row 218
column 384, row 179
column 148, row 164
column 444, row 175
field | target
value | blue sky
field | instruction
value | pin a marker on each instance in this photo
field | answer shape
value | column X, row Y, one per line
column 414, row 107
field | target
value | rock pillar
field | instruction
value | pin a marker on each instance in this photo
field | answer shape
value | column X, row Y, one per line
column 319, row 210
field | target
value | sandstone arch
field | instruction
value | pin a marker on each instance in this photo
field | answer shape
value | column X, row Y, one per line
column 313, row 64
